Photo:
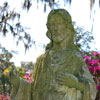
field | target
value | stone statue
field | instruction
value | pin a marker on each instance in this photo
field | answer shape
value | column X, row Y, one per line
column 60, row 73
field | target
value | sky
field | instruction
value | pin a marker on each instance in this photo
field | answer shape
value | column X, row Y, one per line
column 36, row 19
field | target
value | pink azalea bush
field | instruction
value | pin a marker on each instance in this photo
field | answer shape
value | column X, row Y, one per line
column 93, row 63
column 96, row 53
column 3, row 97
column 98, row 87
column 28, row 77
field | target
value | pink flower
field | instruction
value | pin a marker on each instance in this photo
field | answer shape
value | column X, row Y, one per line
column 27, row 76
column 95, row 61
column 99, row 67
column 88, row 62
column 98, row 87
column 87, row 57
column 96, row 53
column 30, row 80
column 95, row 69
column 3, row 97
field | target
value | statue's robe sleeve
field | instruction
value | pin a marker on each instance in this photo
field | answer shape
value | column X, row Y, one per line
column 24, row 91
column 86, row 78
column 38, row 78
column 88, row 92
column 91, row 90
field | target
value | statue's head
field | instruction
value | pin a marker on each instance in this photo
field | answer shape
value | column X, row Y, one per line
column 59, row 24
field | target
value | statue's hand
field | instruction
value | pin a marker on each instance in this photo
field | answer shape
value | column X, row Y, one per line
column 15, row 80
column 69, row 80
column 13, row 77
column 65, row 78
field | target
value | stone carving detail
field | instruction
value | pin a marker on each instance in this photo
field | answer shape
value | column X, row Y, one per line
column 60, row 73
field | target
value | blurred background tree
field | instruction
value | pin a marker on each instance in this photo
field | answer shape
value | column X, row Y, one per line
column 28, row 3
column 5, row 57
column 15, row 27
column 84, row 40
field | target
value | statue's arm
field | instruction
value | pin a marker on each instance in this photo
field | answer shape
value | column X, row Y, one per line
column 90, row 90
column 69, row 80
column 15, row 81
column 21, row 90
column 83, row 82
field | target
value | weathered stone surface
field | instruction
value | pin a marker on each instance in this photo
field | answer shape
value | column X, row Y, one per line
column 60, row 73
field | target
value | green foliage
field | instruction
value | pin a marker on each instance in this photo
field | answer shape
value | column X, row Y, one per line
column 21, row 72
column 5, row 57
column 83, row 40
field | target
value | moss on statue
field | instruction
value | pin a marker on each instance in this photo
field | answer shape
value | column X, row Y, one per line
column 60, row 73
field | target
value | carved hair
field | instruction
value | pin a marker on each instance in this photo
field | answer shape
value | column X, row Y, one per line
column 63, row 13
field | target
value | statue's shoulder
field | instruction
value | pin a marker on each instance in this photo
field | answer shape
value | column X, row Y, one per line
column 78, row 56
column 73, row 53
column 43, row 56
column 77, row 53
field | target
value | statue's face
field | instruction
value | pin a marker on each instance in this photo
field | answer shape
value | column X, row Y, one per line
column 57, row 27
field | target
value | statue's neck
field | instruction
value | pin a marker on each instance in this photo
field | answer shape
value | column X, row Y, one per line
column 63, row 45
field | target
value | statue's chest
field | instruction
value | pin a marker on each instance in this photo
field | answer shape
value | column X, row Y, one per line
column 59, row 57
column 63, row 61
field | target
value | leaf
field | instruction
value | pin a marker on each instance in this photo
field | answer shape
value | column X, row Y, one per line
column 3, row 17
column 91, row 4
column 29, row 39
column 17, row 24
column 0, row 27
column 5, row 4
column 11, row 28
column 26, row 47
column 24, row 5
column 29, row 5
column 26, row 36
column 45, row 7
column 20, row 38
column 4, row 30
column 18, row 15
column 7, row 14
column 69, row 1
column 14, row 34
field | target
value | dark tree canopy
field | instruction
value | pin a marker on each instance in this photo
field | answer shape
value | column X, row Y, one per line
column 5, row 57
column 15, row 28
column 28, row 3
